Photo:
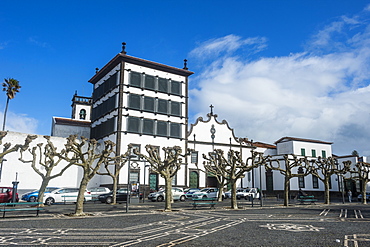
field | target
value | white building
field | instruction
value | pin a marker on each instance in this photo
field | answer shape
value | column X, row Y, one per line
column 140, row 102
column 205, row 136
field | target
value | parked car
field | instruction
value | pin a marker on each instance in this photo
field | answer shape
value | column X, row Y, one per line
column 178, row 194
column 34, row 195
column 359, row 197
column 96, row 191
column 64, row 195
column 6, row 194
column 121, row 196
column 247, row 193
column 207, row 193
column 228, row 193
column 189, row 192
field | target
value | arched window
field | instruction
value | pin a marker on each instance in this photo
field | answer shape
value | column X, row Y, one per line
column 83, row 114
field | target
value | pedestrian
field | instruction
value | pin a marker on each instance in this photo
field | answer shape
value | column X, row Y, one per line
column 349, row 193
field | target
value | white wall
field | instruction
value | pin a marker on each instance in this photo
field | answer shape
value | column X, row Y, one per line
column 27, row 177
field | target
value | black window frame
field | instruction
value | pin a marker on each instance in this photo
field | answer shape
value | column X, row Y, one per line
column 132, row 76
column 129, row 124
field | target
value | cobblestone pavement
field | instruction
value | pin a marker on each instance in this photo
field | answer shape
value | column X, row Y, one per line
column 147, row 225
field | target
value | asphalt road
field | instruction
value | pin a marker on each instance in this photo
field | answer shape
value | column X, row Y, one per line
column 146, row 224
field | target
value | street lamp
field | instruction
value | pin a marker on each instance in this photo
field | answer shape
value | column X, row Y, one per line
column 128, row 181
column 145, row 166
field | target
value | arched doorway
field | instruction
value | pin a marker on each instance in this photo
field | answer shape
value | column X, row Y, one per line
column 269, row 181
column 193, row 179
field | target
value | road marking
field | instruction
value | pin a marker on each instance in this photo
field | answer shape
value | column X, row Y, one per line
column 358, row 214
column 325, row 212
column 292, row 227
column 343, row 213
column 353, row 240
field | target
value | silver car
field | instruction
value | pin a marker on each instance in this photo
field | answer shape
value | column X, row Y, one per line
column 178, row 194
column 208, row 193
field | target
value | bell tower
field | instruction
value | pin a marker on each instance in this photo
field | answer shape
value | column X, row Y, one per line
column 81, row 107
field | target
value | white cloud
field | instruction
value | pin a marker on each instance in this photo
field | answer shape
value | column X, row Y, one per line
column 320, row 93
column 19, row 123
column 227, row 45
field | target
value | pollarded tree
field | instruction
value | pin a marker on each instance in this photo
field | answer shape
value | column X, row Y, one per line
column 44, row 160
column 361, row 172
column 287, row 170
column 118, row 162
column 8, row 148
column 231, row 168
column 324, row 168
column 89, row 155
column 215, row 166
column 166, row 168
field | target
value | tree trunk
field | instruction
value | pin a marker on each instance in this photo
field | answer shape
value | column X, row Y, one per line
column 114, row 191
column 363, row 191
column 5, row 112
column 221, row 184
column 168, row 194
column 81, row 196
column 327, row 191
column 44, row 184
column 234, row 204
column 286, row 190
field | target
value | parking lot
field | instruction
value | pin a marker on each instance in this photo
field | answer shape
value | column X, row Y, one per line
column 146, row 224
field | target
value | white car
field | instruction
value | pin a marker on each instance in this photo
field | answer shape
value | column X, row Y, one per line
column 228, row 193
column 178, row 194
column 247, row 193
column 207, row 193
column 64, row 195
column 96, row 191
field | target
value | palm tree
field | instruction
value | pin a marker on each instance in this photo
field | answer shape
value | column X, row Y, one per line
column 11, row 86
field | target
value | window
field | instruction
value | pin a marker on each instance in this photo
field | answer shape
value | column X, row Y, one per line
column 134, row 101
column 105, row 87
column 303, row 152
column 175, row 108
column 134, row 176
column 139, row 125
column 148, row 104
column 103, row 129
column 137, row 147
column 162, row 85
column 175, row 87
column 135, row 79
column 83, row 114
column 162, row 128
column 194, row 157
column 323, row 153
column 162, row 106
column 133, row 125
column 149, row 82
column 330, row 182
column 301, row 178
column 175, row 130
column 313, row 151
column 315, row 182
column 148, row 126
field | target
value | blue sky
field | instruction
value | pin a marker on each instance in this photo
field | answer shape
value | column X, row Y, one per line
column 271, row 68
